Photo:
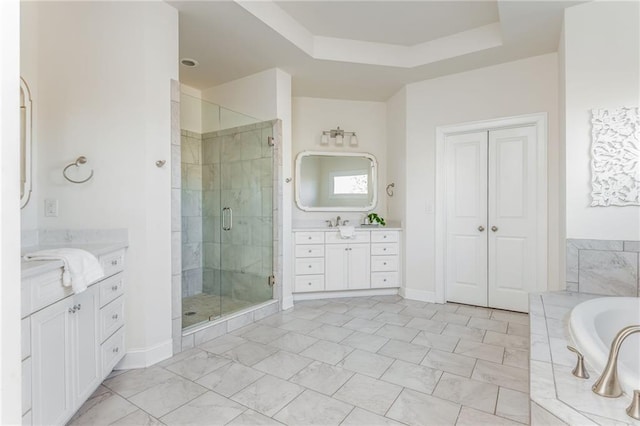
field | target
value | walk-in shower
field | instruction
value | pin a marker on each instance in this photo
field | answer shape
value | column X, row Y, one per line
column 227, row 181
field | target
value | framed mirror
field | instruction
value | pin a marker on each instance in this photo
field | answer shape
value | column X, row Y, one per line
column 336, row 181
column 25, row 143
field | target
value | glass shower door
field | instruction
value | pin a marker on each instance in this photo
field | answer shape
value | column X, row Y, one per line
column 246, row 206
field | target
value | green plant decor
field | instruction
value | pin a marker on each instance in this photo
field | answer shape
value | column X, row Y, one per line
column 374, row 218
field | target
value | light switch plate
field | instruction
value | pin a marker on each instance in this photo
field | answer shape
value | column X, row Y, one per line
column 51, row 207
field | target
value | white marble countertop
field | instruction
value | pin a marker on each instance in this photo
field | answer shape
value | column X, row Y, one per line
column 358, row 228
column 553, row 389
column 32, row 268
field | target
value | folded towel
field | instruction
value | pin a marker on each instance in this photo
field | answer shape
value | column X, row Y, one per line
column 80, row 267
column 347, row 232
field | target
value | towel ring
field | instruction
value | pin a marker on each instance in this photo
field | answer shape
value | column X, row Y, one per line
column 389, row 190
column 80, row 160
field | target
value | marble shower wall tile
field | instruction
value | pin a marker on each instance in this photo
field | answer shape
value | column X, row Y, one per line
column 608, row 267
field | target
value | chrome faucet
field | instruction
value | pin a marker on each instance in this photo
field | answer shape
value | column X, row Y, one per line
column 608, row 384
column 338, row 221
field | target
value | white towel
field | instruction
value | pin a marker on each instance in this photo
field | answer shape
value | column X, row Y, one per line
column 80, row 267
column 347, row 232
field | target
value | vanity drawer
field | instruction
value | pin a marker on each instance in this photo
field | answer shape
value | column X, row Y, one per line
column 111, row 288
column 384, row 279
column 111, row 318
column 384, row 236
column 384, row 263
column 112, row 351
column 309, row 237
column 359, row 237
column 384, row 249
column 305, row 283
column 112, row 263
column 310, row 266
column 309, row 250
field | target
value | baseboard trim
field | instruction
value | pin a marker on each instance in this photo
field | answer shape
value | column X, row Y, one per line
column 287, row 302
column 420, row 295
column 142, row 358
column 345, row 293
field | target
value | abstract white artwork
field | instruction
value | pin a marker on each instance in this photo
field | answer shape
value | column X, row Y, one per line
column 615, row 157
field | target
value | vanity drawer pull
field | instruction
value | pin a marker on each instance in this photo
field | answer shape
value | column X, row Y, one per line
column 114, row 316
column 114, row 262
column 116, row 350
column 114, row 288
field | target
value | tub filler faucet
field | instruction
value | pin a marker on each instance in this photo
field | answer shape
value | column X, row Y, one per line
column 608, row 384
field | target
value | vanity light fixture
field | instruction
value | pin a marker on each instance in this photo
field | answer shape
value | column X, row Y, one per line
column 338, row 135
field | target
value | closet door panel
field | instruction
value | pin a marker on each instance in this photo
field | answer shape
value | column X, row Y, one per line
column 466, row 198
column 512, row 217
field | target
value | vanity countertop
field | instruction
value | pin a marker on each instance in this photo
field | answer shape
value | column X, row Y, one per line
column 358, row 228
column 32, row 268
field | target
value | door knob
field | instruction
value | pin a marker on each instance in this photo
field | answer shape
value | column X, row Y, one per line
column 481, row 228
column 494, row 228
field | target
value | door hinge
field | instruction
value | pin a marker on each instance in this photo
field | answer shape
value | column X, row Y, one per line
column 272, row 280
column 271, row 141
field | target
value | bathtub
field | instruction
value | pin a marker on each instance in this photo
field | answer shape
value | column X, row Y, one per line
column 593, row 325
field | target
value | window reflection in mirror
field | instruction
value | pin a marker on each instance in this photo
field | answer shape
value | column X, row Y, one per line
column 336, row 181
column 25, row 143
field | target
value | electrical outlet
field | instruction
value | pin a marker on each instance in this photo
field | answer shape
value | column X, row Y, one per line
column 51, row 208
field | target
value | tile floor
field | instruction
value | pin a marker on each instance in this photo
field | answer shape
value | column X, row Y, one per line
column 361, row 361
column 201, row 307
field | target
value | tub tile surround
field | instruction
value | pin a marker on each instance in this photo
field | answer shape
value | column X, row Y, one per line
column 557, row 397
column 606, row 267
column 301, row 367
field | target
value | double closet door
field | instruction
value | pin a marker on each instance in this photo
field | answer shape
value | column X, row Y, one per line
column 491, row 220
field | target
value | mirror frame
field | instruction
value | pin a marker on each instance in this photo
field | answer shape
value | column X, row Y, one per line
column 374, row 176
column 26, row 193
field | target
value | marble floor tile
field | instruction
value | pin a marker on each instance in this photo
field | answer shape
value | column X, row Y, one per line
column 368, row 393
column 418, row 312
column 516, row 317
column 404, row 351
column 135, row 381
column 464, row 332
column 102, row 410
column 222, row 344
column 321, row 377
column 330, row 333
column 428, row 325
column 306, row 313
column 474, row 311
column 209, row 408
column 411, row 407
column 137, row 418
column 300, row 325
column 261, row 396
column 450, row 362
column 177, row 357
column 364, row 341
column 336, row 307
column 502, row 375
column 198, row 365
column 253, row 418
column 328, row 352
column 506, row 340
column 451, row 318
column 276, row 320
column 333, row 318
column 412, row 376
column 468, row 392
column 437, row 341
column 250, row 353
column 360, row 417
column 364, row 325
column 264, row 334
column 282, row 364
column 293, row 342
column 313, row 408
column 470, row 417
column 388, row 307
column 513, row 405
column 480, row 350
column 364, row 313
column 366, row 363
column 489, row 324
column 517, row 329
column 516, row 358
column 167, row 396
column 393, row 318
column 398, row 333
column 230, row 379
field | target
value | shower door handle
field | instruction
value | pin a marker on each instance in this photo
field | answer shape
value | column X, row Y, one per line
column 230, row 210
column 225, row 227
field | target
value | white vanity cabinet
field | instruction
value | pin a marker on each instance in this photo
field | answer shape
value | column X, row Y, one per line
column 368, row 260
column 71, row 346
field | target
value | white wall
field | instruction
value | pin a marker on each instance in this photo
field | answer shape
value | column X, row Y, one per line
column 10, row 336
column 190, row 109
column 602, row 70
column 101, row 76
column 514, row 88
column 368, row 119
